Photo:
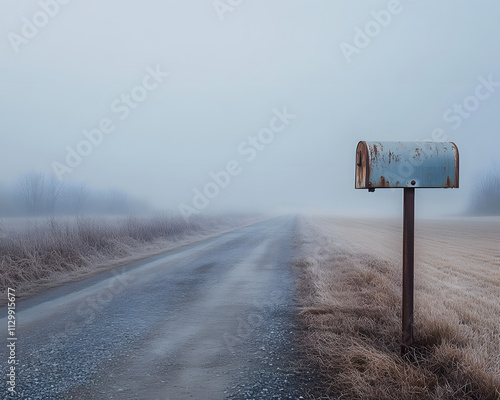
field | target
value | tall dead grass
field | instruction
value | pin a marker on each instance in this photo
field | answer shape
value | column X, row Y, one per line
column 51, row 251
column 351, row 308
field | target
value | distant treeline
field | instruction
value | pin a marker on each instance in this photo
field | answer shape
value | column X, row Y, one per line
column 38, row 194
column 485, row 199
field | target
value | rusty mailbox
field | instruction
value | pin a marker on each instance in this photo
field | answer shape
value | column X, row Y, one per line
column 407, row 165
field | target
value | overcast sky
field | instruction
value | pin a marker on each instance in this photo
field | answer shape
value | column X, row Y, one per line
column 178, row 89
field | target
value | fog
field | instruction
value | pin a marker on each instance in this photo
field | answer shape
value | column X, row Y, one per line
column 156, row 97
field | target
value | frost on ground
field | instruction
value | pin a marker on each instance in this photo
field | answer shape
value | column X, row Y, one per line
column 350, row 291
column 42, row 253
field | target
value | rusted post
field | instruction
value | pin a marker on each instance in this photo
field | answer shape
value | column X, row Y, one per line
column 408, row 260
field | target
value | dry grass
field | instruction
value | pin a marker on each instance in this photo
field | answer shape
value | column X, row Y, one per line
column 47, row 253
column 351, row 297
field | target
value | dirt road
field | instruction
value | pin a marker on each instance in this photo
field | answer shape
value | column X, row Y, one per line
column 211, row 320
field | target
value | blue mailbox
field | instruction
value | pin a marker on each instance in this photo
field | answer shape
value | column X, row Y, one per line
column 406, row 164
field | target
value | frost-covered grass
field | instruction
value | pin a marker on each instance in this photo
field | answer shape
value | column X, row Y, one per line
column 40, row 253
column 351, row 306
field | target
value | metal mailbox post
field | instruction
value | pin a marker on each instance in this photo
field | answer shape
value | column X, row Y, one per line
column 407, row 165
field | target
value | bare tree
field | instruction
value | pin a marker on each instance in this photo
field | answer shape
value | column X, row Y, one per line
column 53, row 192
column 486, row 195
column 31, row 186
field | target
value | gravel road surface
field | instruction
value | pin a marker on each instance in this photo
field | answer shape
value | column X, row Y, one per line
column 212, row 320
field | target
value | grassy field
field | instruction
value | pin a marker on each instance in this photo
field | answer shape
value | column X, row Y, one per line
column 41, row 253
column 350, row 290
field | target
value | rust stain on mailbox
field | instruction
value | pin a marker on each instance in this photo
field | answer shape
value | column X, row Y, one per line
column 406, row 164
